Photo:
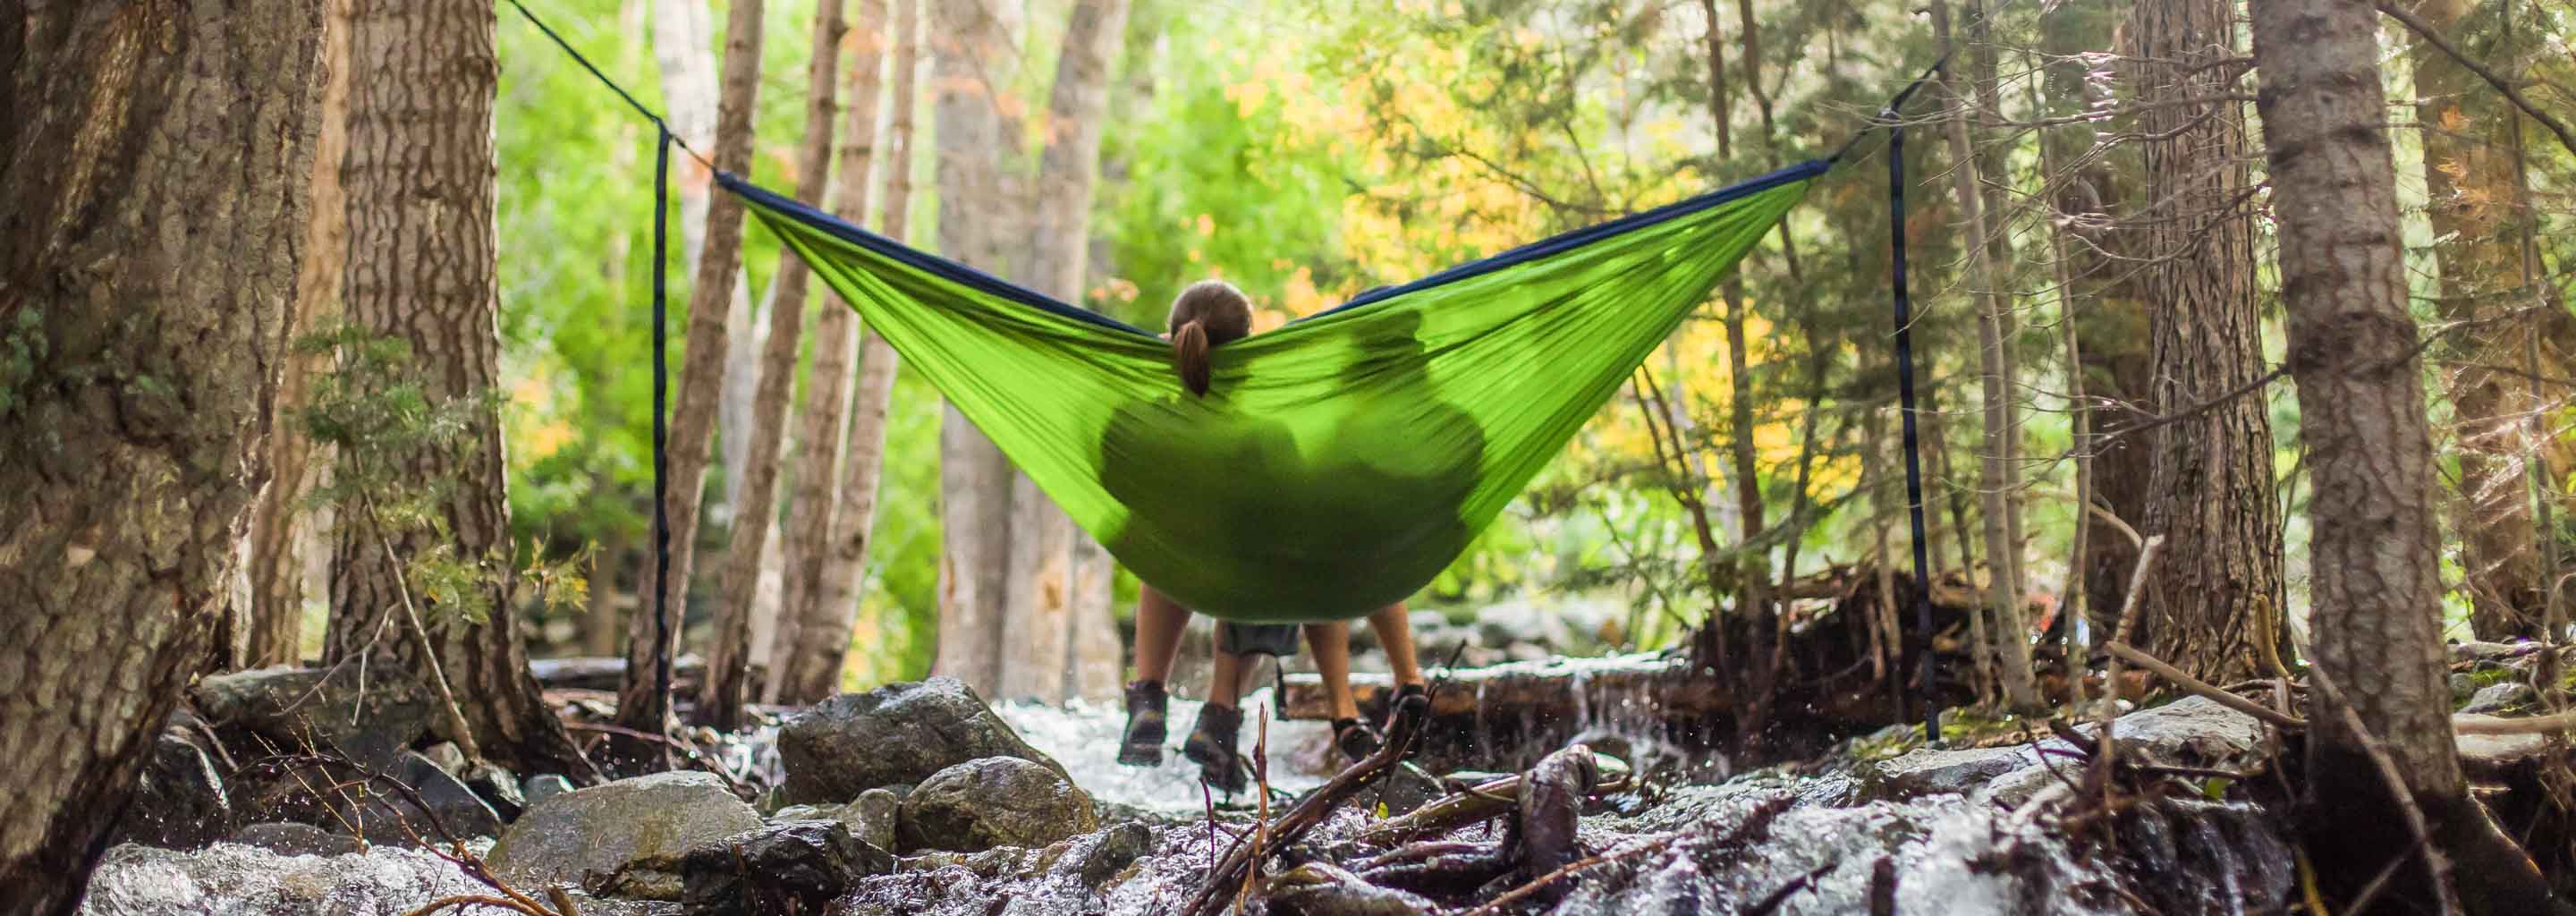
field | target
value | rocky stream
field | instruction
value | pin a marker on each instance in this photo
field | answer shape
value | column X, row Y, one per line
column 921, row 799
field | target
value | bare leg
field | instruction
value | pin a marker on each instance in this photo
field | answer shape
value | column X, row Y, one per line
column 1225, row 676
column 1331, row 643
column 1159, row 622
column 1395, row 633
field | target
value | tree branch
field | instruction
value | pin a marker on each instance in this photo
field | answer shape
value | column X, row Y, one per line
column 2433, row 36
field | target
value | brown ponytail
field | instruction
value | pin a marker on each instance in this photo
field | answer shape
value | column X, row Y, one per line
column 1190, row 355
column 1209, row 313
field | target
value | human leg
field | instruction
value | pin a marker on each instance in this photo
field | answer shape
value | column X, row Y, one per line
column 1219, row 730
column 1159, row 622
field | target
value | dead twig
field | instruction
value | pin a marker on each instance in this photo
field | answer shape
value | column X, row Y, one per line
column 1496, row 905
column 2496, row 725
column 1241, row 858
column 2189, row 684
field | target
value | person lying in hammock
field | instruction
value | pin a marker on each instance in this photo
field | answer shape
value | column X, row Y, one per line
column 1208, row 314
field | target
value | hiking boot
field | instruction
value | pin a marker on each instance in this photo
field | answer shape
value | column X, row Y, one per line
column 1142, row 744
column 1211, row 746
column 1355, row 739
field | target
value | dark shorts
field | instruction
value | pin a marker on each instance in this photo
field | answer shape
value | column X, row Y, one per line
column 1279, row 639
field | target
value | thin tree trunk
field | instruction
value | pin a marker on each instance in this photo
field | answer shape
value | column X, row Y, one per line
column 2476, row 205
column 2114, row 360
column 721, row 695
column 276, row 560
column 639, row 706
column 1038, row 627
column 2377, row 575
column 1753, row 567
column 820, row 427
column 971, row 47
column 169, row 255
column 683, row 38
column 2213, row 591
column 1998, row 479
column 422, row 256
column 2064, row 91
column 812, row 669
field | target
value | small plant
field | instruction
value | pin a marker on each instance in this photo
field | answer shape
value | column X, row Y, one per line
column 385, row 422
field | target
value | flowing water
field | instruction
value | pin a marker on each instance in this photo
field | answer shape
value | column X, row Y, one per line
column 1837, row 841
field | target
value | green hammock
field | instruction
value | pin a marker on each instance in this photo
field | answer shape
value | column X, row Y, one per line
column 1338, row 463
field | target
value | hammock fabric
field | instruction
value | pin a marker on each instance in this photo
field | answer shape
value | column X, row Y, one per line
column 1338, row 463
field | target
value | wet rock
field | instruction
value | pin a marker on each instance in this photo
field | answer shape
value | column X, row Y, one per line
column 230, row 879
column 464, row 813
column 1936, row 770
column 544, row 786
column 994, row 801
column 2498, row 697
column 648, row 878
column 898, row 733
column 2475, row 651
column 2192, row 732
column 289, row 839
column 1094, row 858
column 180, row 801
column 2463, row 687
column 793, row 813
column 664, row 815
column 1320, row 889
column 446, row 755
column 324, row 709
column 795, row 867
column 498, row 788
column 872, row 817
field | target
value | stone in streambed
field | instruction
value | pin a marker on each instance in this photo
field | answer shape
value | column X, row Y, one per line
column 659, row 817
column 804, row 864
column 995, row 801
column 898, row 733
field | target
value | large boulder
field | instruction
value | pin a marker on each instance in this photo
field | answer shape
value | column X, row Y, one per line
column 898, row 733
column 235, row 879
column 995, row 801
column 807, row 862
column 662, row 816
column 179, row 802
column 368, row 717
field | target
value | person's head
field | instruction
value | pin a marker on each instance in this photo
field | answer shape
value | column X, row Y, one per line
column 1209, row 313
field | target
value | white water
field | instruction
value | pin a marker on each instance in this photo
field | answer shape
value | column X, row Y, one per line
column 1083, row 736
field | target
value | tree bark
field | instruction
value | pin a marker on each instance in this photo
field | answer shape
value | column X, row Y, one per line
column 2110, row 322
column 720, row 696
column 422, row 255
column 682, row 34
column 1039, row 627
column 2475, row 202
column 973, row 43
column 820, row 426
column 280, row 523
column 639, row 706
column 2215, row 589
column 154, row 166
column 811, row 669
column 2353, row 351
column 1997, row 479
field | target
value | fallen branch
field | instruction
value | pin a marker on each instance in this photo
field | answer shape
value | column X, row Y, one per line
column 1241, row 858
column 1466, row 806
column 2497, row 725
column 2191, row 684
column 1630, row 852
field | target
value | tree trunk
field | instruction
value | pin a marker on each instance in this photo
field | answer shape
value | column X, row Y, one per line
column 682, row 35
column 811, row 669
column 421, row 268
column 639, row 706
column 154, row 171
column 276, row 558
column 2110, row 325
column 820, row 426
column 1998, row 478
column 967, row 57
column 721, row 695
column 2353, row 351
column 2216, row 586
column 2476, row 204
column 1039, row 625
